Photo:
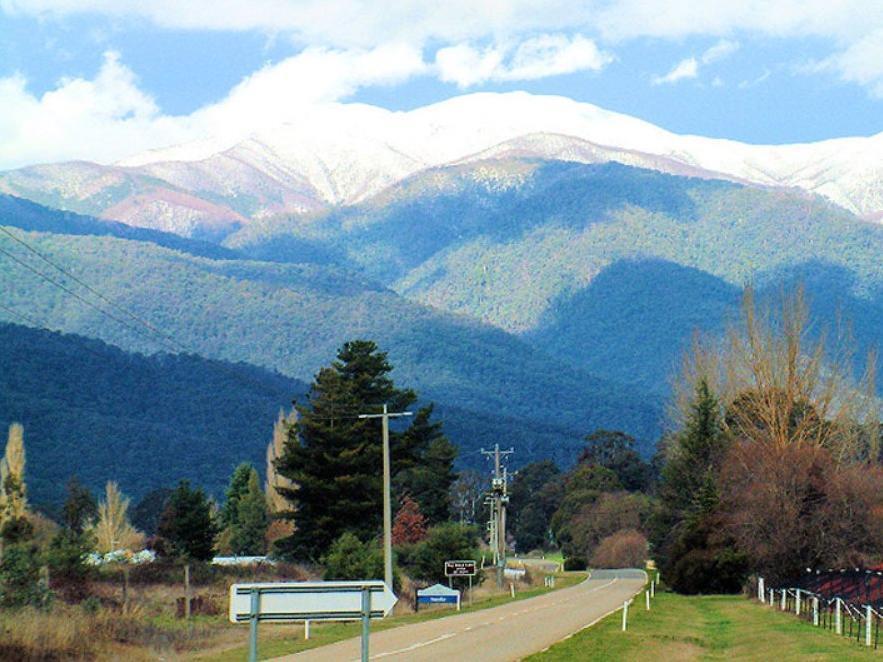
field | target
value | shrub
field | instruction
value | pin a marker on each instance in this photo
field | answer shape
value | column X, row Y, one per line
column 444, row 542
column 624, row 549
column 350, row 558
column 575, row 563
column 20, row 583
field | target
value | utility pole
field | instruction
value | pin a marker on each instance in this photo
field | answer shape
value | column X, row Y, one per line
column 497, row 500
column 387, row 504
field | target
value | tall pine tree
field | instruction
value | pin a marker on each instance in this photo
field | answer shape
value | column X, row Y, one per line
column 334, row 459
column 693, row 556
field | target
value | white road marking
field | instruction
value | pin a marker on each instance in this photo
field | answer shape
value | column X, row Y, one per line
column 414, row 646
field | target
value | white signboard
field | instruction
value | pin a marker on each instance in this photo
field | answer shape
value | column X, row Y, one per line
column 289, row 601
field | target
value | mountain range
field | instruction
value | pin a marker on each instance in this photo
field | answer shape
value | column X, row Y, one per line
column 533, row 265
column 343, row 154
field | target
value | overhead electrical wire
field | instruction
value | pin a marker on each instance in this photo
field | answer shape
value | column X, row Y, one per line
column 167, row 341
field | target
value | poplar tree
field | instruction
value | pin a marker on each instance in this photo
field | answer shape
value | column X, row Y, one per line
column 13, row 499
column 113, row 531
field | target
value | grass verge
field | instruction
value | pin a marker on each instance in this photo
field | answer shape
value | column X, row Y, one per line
column 705, row 628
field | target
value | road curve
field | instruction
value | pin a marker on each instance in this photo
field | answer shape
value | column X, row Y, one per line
column 499, row 634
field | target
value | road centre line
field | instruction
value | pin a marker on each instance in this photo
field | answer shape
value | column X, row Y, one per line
column 488, row 623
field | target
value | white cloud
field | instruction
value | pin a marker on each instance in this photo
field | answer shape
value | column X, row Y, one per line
column 861, row 63
column 538, row 57
column 852, row 27
column 109, row 117
column 689, row 67
column 723, row 48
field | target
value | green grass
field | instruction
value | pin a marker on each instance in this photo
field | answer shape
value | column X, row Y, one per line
column 276, row 640
column 705, row 628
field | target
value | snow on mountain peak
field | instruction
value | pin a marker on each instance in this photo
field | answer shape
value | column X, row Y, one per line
column 344, row 153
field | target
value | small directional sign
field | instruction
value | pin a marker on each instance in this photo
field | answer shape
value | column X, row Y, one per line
column 329, row 601
column 438, row 594
column 461, row 568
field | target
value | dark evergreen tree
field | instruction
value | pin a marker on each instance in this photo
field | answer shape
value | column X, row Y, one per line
column 80, row 507
column 334, row 458
column 250, row 526
column 186, row 525
column 687, row 545
column 237, row 488
column 423, row 466
column 531, row 505
column 616, row 451
column 149, row 509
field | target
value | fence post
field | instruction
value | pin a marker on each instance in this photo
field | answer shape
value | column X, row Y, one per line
column 797, row 604
column 838, row 622
column 625, row 615
column 772, row 596
column 760, row 592
column 815, row 611
column 784, row 594
column 868, row 618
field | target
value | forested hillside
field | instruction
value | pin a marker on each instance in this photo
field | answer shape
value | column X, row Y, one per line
column 91, row 409
column 608, row 267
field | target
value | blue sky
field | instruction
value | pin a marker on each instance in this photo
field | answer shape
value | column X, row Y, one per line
column 97, row 79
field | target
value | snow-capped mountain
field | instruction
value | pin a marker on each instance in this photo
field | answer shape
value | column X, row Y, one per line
column 343, row 154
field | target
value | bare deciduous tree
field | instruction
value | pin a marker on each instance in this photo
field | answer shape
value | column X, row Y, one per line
column 782, row 385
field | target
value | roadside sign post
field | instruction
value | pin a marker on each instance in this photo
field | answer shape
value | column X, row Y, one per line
column 366, row 621
column 253, row 625
column 461, row 568
column 306, row 601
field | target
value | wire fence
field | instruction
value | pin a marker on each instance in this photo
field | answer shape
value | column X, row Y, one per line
column 849, row 603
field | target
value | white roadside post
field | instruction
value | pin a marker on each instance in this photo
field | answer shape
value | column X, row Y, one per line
column 307, row 630
column 838, row 622
column 652, row 588
column 797, row 604
column 784, row 593
column 772, row 596
column 761, row 594
column 625, row 615
column 869, row 616
column 815, row 611
column 647, row 599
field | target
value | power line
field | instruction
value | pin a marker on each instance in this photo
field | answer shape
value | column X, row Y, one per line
column 171, row 343
column 25, row 318
column 73, row 294
column 91, row 289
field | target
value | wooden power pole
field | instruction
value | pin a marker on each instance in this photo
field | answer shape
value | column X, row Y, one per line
column 387, row 503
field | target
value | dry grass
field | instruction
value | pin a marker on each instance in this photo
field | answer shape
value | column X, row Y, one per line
column 69, row 632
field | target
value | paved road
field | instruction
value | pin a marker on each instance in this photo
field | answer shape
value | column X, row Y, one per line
column 500, row 634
